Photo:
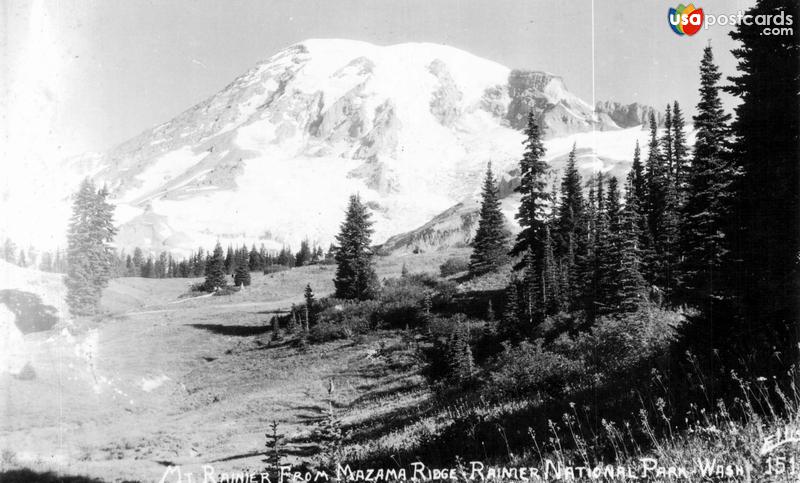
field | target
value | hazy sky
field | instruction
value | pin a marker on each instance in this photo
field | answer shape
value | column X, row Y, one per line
column 85, row 75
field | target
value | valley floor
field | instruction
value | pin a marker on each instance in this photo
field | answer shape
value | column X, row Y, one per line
column 163, row 380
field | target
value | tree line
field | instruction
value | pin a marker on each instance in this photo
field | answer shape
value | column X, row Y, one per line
column 255, row 259
column 683, row 232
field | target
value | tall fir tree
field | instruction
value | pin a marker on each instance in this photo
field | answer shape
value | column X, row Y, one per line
column 609, row 247
column 459, row 353
column 303, row 257
column 637, row 177
column 532, row 218
column 230, row 261
column 629, row 286
column 241, row 277
column 308, row 295
column 534, row 196
column 570, row 208
column 551, row 279
column 508, row 327
column 765, row 219
column 654, row 178
column 9, row 251
column 256, row 263
column 667, row 142
column 489, row 249
column 710, row 175
column 569, row 235
column 680, row 152
column 355, row 273
column 89, row 254
column 215, row 270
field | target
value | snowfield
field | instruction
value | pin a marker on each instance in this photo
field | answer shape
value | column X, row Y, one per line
column 273, row 157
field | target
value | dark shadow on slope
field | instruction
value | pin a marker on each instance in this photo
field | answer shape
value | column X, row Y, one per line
column 28, row 476
column 239, row 456
column 233, row 330
column 32, row 315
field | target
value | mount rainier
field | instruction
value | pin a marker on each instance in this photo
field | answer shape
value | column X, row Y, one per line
column 273, row 157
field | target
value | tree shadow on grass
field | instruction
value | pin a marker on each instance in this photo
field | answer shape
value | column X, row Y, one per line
column 31, row 314
column 28, row 476
column 233, row 330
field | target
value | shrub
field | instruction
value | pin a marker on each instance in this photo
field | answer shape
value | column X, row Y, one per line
column 630, row 345
column 31, row 314
column 227, row 290
column 341, row 319
column 27, row 373
column 453, row 265
column 530, row 369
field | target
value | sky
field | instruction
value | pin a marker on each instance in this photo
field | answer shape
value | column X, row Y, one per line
column 79, row 76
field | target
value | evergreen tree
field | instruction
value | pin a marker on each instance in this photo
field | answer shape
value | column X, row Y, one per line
column 355, row 273
column 655, row 176
column 276, row 449
column 330, row 255
column 570, row 209
column 600, row 264
column 163, row 265
column 667, row 141
column 637, row 177
column 241, row 277
column 230, row 261
column 585, row 282
column 629, row 285
column 612, row 204
column 303, row 257
column 46, row 265
column 255, row 259
column 534, row 196
column 22, row 260
column 199, row 268
column 59, row 263
column 489, row 250
column 668, row 220
column 32, row 256
column 644, row 242
column 509, row 321
column 610, row 245
column 459, row 353
column 88, row 249
column 533, row 291
column 551, row 280
column 308, row 294
column 765, row 219
column 138, row 259
column 680, row 152
column 148, row 269
column 9, row 251
column 215, row 270
column 702, row 239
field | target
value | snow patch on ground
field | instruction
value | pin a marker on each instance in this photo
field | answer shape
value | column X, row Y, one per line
column 149, row 384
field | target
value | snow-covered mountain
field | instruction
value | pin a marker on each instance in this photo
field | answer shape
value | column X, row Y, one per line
column 274, row 156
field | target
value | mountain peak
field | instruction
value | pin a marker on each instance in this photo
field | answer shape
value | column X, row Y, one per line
column 274, row 155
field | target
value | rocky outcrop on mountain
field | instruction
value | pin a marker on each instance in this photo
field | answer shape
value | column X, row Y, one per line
column 446, row 100
column 557, row 110
column 453, row 227
column 628, row 115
